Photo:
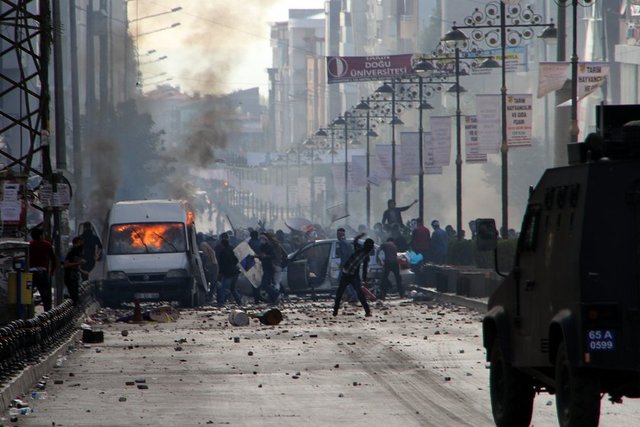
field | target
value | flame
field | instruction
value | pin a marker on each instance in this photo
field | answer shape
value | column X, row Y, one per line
column 148, row 235
column 190, row 217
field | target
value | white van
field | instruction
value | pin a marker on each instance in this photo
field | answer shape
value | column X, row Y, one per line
column 150, row 253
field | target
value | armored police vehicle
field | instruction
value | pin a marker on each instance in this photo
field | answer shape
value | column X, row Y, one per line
column 566, row 319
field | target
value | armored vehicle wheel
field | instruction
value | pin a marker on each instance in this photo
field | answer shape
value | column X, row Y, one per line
column 511, row 391
column 577, row 394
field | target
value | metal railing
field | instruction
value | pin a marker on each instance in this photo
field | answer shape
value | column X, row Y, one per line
column 26, row 342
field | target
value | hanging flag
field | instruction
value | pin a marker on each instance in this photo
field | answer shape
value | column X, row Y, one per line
column 472, row 149
column 338, row 177
column 383, row 155
column 488, row 113
column 429, row 158
column 519, row 120
column 358, row 176
column 410, row 154
column 304, row 191
column 368, row 68
column 553, row 75
column 441, row 140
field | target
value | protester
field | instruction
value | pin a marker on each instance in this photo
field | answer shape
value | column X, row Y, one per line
column 279, row 261
column 267, row 255
column 254, row 240
column 218, row 246
column 388, row 258
column 396, row 232
column 73, row 270
column 228, row 265
column 350, row 274
column 439, row 243
column 92, row 249
column 42, row 263
column 393, row 214
column 345, row 250
column 420, row 239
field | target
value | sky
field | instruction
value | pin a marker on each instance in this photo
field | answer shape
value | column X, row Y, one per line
column 219, row 47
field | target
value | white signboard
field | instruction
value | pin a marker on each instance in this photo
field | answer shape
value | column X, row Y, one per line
column 553, row 75
column 441, row 140
column 488, row 113
column 519, row 120
column 358, row 176
column 383, row 155
column 472, row 149
column 410, row 160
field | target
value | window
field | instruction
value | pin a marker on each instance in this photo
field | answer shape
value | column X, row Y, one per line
column 145, row 238
column 530, row 225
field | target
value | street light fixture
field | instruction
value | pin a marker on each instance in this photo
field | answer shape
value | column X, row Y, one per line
column 522, row 21
column 161, row 58
column 175, row 24
column 175, row 9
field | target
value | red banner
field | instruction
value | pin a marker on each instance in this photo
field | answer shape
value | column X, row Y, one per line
column 368, row 68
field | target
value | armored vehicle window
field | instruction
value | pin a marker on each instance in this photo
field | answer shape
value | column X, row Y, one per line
column 529, row 235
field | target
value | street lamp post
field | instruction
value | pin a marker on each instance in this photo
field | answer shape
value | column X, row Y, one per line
column 385, row 90
column 309, row 144
column 344, row 121
column 575, row 129
column 423, row 68
column 458, row 150
column 520, row 17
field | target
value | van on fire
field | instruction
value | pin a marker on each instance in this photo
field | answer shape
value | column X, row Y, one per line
column 151, row 254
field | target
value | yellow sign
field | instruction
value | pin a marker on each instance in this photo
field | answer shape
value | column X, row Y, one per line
column 26, row 291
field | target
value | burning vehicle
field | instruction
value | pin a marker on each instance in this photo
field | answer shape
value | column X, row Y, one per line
column 151, row 254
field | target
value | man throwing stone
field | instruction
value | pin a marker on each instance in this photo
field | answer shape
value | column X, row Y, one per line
column 350, row 275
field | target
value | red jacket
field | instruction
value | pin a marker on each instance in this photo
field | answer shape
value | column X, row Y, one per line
column 420, row 239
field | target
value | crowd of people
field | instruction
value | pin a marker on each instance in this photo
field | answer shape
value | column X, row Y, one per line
column 271, row 247
column 78, row 262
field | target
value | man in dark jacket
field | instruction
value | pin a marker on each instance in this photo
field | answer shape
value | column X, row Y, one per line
column 42, row 262
column 267, row 256
column 393, row 214
column 73, row 270
column 92, row 247
column 228, row 266
column 388, row 257
column 350, row 274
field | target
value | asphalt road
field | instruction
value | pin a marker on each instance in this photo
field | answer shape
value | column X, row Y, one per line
column 408, row 365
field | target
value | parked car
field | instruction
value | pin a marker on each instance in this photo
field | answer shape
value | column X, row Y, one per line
column 314, row 269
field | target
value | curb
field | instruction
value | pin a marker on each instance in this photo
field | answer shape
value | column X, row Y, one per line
column 473, row 304
column 24, row 380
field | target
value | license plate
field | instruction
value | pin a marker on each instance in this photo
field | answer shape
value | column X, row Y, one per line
column 601, row 340
column 146, row 295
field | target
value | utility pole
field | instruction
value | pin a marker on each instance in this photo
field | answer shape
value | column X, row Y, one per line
column 563, row 115
column 61, row 149
column 75, row 110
